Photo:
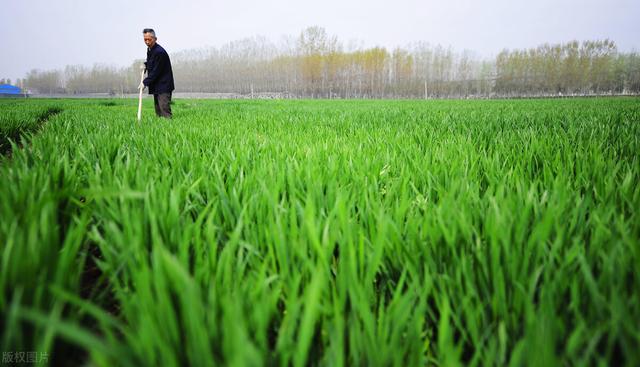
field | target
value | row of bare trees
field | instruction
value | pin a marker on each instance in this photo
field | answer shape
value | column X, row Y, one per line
column 592, row 67
column 316, row 65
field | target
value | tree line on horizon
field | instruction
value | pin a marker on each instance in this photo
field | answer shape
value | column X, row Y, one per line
column 317, row 65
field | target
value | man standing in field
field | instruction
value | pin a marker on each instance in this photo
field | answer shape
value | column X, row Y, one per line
column 159, row 78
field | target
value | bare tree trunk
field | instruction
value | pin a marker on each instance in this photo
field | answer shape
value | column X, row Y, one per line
column 426, row 91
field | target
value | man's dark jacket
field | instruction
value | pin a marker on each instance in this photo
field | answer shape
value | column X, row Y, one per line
column 159, row 74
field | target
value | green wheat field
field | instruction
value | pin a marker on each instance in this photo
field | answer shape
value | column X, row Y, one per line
column 330, row 233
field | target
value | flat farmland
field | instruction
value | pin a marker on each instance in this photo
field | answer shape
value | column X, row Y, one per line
column 321, row 232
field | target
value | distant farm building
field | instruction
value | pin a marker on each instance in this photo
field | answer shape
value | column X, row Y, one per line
column 7, row 90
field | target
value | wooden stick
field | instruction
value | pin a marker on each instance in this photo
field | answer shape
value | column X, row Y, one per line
column 140, row 97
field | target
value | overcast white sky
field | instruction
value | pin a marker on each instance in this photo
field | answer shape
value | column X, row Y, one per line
column 46, row 34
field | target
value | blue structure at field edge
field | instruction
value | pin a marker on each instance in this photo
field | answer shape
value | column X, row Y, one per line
column 7, row 90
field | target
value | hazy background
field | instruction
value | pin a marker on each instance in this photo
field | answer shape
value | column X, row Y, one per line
column 51, row 34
